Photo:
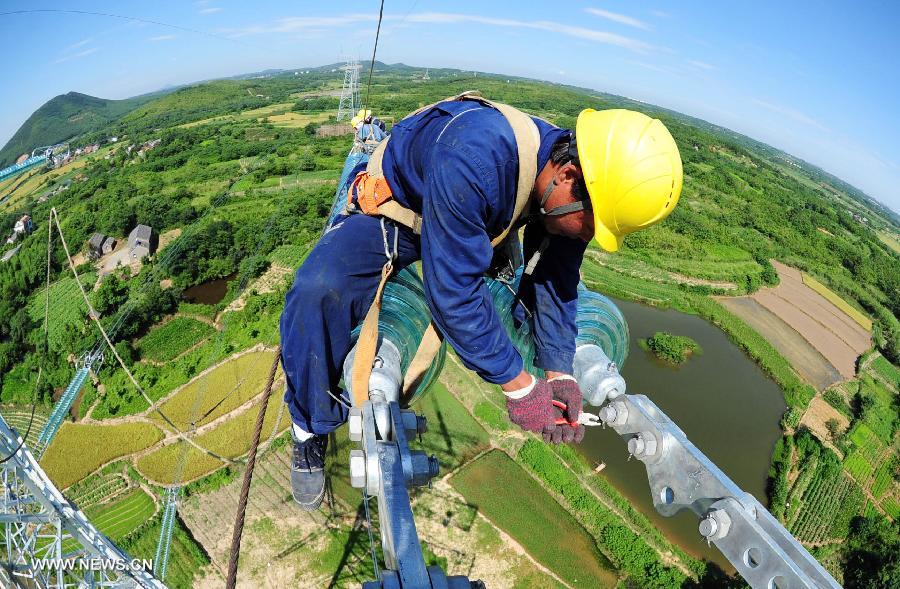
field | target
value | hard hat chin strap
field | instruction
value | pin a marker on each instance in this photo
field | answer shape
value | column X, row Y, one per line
column 565, row 209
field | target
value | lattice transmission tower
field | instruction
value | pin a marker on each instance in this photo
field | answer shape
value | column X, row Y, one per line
column 350, row 103
column 46, row 541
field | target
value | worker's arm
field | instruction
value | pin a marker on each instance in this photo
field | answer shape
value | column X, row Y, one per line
column 552, row 294
column 456, row 251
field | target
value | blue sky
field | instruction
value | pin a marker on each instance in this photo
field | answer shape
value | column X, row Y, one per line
column 816, row 79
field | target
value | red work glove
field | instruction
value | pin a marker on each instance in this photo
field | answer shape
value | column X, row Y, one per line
column 533, row 412
column 565, row 389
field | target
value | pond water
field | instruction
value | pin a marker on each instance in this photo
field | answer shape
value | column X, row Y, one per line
column 722, row 400
column 210, row 292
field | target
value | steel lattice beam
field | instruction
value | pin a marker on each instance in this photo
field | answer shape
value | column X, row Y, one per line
column 38, row 521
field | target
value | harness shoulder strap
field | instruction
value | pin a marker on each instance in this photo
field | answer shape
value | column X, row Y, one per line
column 527, row 144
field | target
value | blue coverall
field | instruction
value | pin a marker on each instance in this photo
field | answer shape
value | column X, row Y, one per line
column 456, row 164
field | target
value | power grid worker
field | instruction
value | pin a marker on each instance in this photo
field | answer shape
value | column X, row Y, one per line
column 445, row 188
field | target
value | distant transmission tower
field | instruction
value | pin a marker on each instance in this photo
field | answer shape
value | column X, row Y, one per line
column 350, row 102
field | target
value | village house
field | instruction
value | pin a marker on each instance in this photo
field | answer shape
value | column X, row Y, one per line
column 142, row 242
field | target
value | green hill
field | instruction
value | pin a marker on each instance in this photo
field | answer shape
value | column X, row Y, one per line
column 64, row 117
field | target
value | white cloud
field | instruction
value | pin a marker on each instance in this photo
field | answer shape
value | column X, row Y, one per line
column 159, row 38
column 211, row 10
column 701, row 64
column 542, row 25
column 660, row 14
column 77, row 45
column 791, row 113
column 294, row 24
column 657, row 68
column 308, row 23
column 78, row 55
column 619, row 18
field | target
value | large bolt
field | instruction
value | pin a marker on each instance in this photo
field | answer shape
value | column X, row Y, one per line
column 642, row 445
column 434, row 465
column 615, row 413
column 708, row 527
column 715, row 525
column 357, row 469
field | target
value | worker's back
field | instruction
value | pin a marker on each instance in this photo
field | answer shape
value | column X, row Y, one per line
column 472, row 147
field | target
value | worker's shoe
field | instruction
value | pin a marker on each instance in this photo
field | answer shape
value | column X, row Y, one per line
column 308, row 472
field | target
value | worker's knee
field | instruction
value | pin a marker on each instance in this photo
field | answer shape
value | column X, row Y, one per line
column 318, row 284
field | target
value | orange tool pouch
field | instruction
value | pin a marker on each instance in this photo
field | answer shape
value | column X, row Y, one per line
column 371, row 193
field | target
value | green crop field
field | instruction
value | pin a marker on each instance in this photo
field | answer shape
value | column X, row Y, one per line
column 186, row 557
column 67, row 308
column 830, row 501
column 124, row 515
column 172, row 338
column 891, row 506
column 865, row 440
column 858, row 466
column 163, row 465
column 78, row 449
column 219, row 391
column 884, row 477
column 507, row 496
column 887, row 370
column 453, row 435
column 96, row 489
column 289, row 256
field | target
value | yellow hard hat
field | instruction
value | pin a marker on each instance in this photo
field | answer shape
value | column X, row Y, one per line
column 355, row 121
column 632, row 170
column 363, row 113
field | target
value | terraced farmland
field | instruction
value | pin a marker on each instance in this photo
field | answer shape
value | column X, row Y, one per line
column 67, row 308
column 219, row 390
column 79, row 449
column 124, row 515
column 169, row 463
column 232, row 438
column 173, row 338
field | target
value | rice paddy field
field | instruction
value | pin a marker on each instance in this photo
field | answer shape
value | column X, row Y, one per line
column 892, row 240
column 218, row 391
column 232, row 438
column 162, row 466
column 80, row 449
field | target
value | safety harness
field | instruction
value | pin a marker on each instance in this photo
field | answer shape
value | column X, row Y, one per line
column 374, row 197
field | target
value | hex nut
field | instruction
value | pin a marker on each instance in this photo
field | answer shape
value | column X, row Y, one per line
column 357, row 469
column 643, row 445
column 354, row 425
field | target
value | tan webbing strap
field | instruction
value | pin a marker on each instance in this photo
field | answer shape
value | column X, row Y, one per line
column 397, row 212
column 528, row 142
column 367, row 344
column 421, row 362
